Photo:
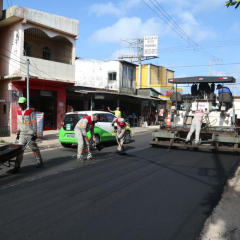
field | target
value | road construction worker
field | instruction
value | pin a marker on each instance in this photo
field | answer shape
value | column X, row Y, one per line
column 196, row 126
column 222, row 89
column 84, row 125
column 117, row 112
column 120, row 132
column 26, row 131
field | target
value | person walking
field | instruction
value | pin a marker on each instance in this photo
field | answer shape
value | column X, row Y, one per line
column 120, row 132
column 117, row 112
column 26, row 131
column 196, row 126
column 84, row 125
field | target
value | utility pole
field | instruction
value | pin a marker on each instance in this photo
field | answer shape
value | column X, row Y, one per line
column 210, row 66
column 134, row 53
column 28, row 96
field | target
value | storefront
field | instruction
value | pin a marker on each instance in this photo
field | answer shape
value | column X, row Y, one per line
column 46, row 96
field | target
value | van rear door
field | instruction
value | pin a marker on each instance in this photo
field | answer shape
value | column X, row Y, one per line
column 70, row 121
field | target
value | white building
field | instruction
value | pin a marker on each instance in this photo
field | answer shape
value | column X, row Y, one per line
column 48, row 41
column 106, row 74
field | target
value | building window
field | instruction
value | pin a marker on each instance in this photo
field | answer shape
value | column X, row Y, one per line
column 112, row 76
column 47, row 53
column 127, row 77
column 27, row 50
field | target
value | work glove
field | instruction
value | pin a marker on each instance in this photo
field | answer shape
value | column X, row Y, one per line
column 34, row 137
column 18, row 135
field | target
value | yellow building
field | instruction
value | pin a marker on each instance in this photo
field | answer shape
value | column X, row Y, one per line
column 153, row 76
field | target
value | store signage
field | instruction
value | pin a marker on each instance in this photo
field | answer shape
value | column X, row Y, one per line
column 99, row 96
column 40, row 120
column 46, row 93
column 150, row 46
column 168, row 93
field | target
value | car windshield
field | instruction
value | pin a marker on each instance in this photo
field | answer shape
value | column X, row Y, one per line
column 73, row 118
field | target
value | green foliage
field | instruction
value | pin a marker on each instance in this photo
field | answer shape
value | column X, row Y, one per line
column 235, row 3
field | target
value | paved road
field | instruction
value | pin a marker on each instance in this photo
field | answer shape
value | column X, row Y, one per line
column 149, row 194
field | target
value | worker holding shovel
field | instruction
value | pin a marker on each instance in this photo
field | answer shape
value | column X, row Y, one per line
column 120, row 128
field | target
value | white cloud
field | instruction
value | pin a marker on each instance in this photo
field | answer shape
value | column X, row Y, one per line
column 193, row 28
column 110, row 8
column 194, row 6
column 130, row 28
column 101, row 9
column 235, row 28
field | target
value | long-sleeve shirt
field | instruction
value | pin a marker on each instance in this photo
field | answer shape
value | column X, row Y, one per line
column 121, row 130
column 26, row 122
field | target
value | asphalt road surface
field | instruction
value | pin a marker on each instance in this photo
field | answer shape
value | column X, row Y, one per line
column 148, row 194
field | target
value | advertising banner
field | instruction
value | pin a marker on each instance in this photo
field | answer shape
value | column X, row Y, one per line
column 150, row 46
column 40, row 121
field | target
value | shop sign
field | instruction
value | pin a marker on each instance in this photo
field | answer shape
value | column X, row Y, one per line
column 16, row 95
column 150, row 46
column 2, row 100
column 168, row 93
column 46, row 93
column 99, row 96
column 40, row 120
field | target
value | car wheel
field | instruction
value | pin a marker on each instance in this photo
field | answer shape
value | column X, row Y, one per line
column 97, row 140
column 66, row 145
column 127, row 137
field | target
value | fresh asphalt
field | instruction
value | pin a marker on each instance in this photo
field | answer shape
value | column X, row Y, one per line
column 148, row 194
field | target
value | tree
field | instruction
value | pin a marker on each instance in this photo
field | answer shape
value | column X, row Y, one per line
column 232, row 3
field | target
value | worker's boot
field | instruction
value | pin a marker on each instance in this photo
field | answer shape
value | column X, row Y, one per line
column 39, row 164
column 15, row 170
column 80, row 158
column 187, row 141
column 89, row 156
column 197, row 143
column 119, row 149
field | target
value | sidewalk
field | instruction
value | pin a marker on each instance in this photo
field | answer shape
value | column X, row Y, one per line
column 224, row 223
column 50, row 138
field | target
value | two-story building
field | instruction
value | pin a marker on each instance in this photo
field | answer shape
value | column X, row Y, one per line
column 103, row 83
column 48, row 42
column 156, row 77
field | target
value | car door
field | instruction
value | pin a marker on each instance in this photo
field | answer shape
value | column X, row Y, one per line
column 109, row 118
column 104, row 127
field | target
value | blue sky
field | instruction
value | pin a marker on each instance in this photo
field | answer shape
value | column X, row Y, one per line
column 102, row 23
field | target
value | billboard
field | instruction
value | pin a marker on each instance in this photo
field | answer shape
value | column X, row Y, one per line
column 40, row 121
column 150, row 46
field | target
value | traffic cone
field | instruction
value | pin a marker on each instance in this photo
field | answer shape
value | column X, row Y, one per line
column 168, row 120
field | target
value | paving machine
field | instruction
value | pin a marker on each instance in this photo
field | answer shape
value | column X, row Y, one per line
column 219, row 131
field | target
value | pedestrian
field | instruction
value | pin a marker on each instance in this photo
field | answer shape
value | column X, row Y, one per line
column 26, row 131
column 120, row 132
column 156, row 117
column 196, row 126
column 84, row 125
column 117, row 112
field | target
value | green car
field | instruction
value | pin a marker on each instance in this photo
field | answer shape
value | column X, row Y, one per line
column 103, row 129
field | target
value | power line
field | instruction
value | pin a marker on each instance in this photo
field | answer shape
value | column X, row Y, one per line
column 178, row 29
column 179, row 32
column 204, row 65
column 206, row 45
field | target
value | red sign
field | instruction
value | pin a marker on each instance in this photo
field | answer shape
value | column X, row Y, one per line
column 168, row 93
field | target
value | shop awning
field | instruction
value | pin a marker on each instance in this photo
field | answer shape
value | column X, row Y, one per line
column 97, row 91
